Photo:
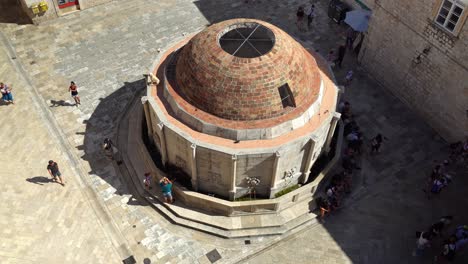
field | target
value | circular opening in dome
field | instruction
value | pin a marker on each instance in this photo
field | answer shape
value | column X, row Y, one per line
column 247, row 40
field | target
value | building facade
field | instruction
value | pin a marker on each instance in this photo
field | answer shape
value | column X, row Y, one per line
column 419, row 50
column 37, row 11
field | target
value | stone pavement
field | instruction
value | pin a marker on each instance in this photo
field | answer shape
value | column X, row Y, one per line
column 105, row 50
column 41, row 221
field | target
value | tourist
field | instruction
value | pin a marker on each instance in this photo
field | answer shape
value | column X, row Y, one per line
column 436, row 229
column 349, row 78
column 341, row 55
column 324, row 208
column 343, row 105
column 432, row 180
column 333, row 197
column 448, row 249
column 147, row 181
column 350, row 36
column 54, row 171
column 331, row 56
column 74, row 93
column 346, row 114
column 444, row 166
column 348, row 161
column 300, row 18
column 456, row 153
column 111, row 151
column 7, row 96
column 166, row 186
column 107, row 146
column 310, row 16
column 461, row 232
column 376, row 143
column 355, row 141
column 422, row 242
column 437, row 186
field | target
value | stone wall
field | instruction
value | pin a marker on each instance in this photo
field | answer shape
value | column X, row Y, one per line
column 51, row 13
column 211, row 167
column 213, row 171
column 259, row 166
column 435, row 82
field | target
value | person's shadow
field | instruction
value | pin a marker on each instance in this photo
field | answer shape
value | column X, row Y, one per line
column 56, row 103
column 40, row 180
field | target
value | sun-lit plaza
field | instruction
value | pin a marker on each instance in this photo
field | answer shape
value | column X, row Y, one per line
column 263, row 120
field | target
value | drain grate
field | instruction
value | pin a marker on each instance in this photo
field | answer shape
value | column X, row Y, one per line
column 129, row 260
column 213, row 256
column 247, row 242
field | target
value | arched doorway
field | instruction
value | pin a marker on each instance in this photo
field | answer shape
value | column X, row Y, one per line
column 13, row 12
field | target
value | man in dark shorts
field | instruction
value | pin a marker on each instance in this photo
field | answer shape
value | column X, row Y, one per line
column 73, row 89
column 54, row 171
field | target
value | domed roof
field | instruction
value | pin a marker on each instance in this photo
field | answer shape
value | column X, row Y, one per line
column 246, row 69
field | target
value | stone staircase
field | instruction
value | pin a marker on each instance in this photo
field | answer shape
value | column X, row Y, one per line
column 237, row 226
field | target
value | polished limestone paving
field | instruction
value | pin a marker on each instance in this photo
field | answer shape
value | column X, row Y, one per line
column 106, row 50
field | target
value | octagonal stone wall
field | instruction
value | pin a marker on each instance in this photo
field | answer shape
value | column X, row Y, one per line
column 223, row 171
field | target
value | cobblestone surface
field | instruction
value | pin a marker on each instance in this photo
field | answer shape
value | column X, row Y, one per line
column 41, row 221
column 105, row 50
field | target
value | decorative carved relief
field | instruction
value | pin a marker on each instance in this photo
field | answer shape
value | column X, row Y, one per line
column 289, row 176
column 289, row 173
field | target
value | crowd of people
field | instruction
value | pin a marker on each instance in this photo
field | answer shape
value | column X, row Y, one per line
column 450, row 242
column 301, row 13
column 341, row 182
column 439, row 178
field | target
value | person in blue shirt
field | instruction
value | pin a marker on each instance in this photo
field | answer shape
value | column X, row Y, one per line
column 166, row 186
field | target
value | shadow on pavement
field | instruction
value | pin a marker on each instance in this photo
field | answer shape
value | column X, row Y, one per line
column 379, row 218
column 102, row 124
column 40, row 180
column 55, row 103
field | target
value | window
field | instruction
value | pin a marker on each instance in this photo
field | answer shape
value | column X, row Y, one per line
column 286, row 96
column 450, row 13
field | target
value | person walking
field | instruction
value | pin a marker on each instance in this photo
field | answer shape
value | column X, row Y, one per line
column 341, row 54
column 422, row 242
column 448, row 250
column 7, row 96
column 166, row 186
column 376, row 143
column 349, row 78
column 74, row 93
column 300, row 18
column 111, row 151
column 54, row 172
column 310, row 16
column 147, row 181
column 350, row 37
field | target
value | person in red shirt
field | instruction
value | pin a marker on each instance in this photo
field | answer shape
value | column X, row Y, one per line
column 74, row 93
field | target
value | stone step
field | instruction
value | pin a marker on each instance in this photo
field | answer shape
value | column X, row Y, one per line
column 237, row 226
